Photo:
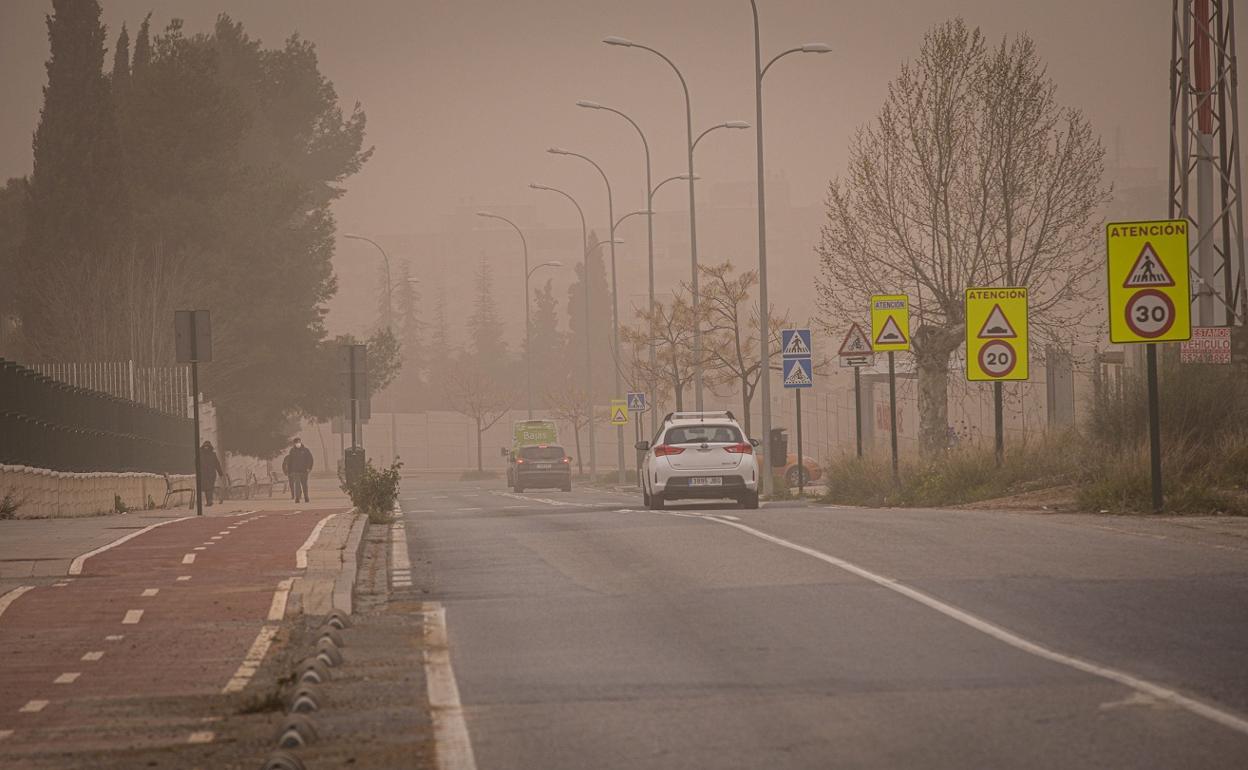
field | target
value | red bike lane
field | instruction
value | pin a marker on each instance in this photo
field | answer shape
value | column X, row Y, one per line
column 105, row 656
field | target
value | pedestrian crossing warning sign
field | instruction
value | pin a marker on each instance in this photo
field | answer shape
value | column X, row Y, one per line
column 797, row 373
column 619, row 411
column 890, row 322
column 795, row 343
column 1147, row 277
column 997, row 326
column 996, row 334
column 1147, row 271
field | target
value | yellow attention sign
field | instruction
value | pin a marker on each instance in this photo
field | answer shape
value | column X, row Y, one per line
column 890, row 322
column 996, row 334
column 619, row 411
column 1149, row 294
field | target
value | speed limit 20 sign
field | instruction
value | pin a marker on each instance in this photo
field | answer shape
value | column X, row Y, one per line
column 1149, row 294
column 996, row 334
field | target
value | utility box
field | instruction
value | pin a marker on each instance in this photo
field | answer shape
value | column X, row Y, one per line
column 779, row 447
column 353, row 465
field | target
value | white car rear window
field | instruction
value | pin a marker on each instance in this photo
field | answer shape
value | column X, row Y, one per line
column 703, row 434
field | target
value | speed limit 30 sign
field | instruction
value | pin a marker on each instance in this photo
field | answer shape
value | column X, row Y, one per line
column 1149, row 294
column 996, row 334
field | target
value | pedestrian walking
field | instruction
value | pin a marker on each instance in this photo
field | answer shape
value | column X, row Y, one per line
column 209, row 468
column 298, row 463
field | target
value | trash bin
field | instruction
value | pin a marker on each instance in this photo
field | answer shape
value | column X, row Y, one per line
column 354, row 464
column 779, row 447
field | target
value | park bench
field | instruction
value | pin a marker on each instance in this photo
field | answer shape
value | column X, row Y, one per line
column 171, row 490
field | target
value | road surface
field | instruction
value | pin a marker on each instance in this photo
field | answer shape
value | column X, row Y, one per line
column 585, row 632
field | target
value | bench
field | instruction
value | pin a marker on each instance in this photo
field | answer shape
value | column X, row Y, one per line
column 171, row 490
column 278, row 481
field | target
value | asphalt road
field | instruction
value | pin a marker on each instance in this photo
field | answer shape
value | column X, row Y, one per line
column 586, row 632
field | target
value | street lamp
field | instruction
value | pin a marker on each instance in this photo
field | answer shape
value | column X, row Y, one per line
column 655, row 191
column 385, row 260
column 528, row 365
column 693, row 212
column 589, row 370
column 615, row 295
column 764, row 309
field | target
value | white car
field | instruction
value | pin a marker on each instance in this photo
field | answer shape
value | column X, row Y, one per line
column 699, row 455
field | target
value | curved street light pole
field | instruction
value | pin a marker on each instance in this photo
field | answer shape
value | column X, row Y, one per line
column 657, row 187
column 389, row 320
column 615, row 296
column 589, row 369
column 528, row 363
column 764, row 307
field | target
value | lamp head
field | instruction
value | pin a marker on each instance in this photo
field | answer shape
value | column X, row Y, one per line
column 485, row 214
column 556, row 151
column 816, row 48
column 616, row 40
column 588, row 104
column 736, row 124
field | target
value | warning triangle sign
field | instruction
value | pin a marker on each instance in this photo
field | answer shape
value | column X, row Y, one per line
column 890, row 333
column 1148, row 270
column 797, row 347
column 997, row 326
column 855, row 342
column 798, row 374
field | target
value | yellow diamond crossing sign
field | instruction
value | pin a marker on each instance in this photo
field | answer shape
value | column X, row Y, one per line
column 890, row 322
column 1149, row 291
column 996, row 334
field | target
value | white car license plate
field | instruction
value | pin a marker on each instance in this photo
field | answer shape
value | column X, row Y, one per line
column 544, row 466
column 706, row 481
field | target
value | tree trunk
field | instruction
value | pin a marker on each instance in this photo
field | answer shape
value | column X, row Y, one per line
column 576, row 435
column 480, row 468
column 745, row 407
column 933, row 346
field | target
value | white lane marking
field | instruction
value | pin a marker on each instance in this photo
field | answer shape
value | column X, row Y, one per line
column 225, row 531
column 301, row 555
column 216, row 537
column 33, row 707
column 199, row 548
column 400, row 560
column 422, row 510
column 60, row 585
column 183, row 578
column 1199, row 708
column 75, row 567
column 201, row 736
column 466, row 509
column 114, row 637
column 68, row 677
column 188, row 559
column 150, row 592
column 11, row 597
column 452, row 745
column 255, row 654
column 96, row 655
column 527, row 499
column 277, row 608
column 132, row 617
column 5, row 734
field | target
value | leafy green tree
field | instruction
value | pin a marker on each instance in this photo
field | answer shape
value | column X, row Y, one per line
column 485, row 328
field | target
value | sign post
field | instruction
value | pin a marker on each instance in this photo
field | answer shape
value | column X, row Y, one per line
column 856, row 352
column 192, row 338
column 890, row 332
column 355, row 369
column 637, row 403
column 996, row 345
column 796, row 353
column 1149, row 302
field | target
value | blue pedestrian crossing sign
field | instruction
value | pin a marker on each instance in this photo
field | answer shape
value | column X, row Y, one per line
column 798, row 373
column 637, row 402
column 795, row 343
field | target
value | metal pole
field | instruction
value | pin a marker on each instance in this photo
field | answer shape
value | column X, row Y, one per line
column 998, row 418
column 1154, row 428
column 801, row 469
column 528, row 341
column 199, row 503
column 858, row 408
column 355, row 403
column 764, row 316
column 892, row 411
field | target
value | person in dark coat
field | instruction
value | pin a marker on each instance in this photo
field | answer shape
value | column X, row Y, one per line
column 209, row 467
column 299, row 464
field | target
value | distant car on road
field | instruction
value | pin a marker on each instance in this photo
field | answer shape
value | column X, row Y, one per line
column 811, row 470
column 699, row 455
column 542, row 465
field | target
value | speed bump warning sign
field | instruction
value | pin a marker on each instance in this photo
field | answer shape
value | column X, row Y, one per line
column 996, row 334
column 890, row 322
column 1149, row 294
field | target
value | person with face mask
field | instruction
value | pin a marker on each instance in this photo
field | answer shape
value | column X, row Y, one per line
column 298, row 464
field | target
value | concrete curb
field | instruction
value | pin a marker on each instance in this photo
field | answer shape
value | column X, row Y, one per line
column 344, row 583
column 328, row 583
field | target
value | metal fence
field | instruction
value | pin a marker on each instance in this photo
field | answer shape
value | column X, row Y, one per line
column 48, row 423
column 164, row 388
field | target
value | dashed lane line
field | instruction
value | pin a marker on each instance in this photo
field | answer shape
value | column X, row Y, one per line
column 400, row 560
column 75, row 567
column 150, row 592
column 251, row 662
column 277, row 608
column 201, row 736
column 92, row 656
column 5, row 734
column 33, row 707
column 188, row 559
column 301, row 555
column 114, row 637
column 132, row 617
column 68, row 677
column 183, row 578
column 12, row 596
column 1143, row 686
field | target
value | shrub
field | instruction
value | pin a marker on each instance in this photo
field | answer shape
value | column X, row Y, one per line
column 10, row 503
column 376, row 491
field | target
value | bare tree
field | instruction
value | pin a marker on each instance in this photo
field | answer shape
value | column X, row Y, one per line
column 567, row 404
column 472, row 392
column 669, row 327
column 971, row 175
column 730, row 343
